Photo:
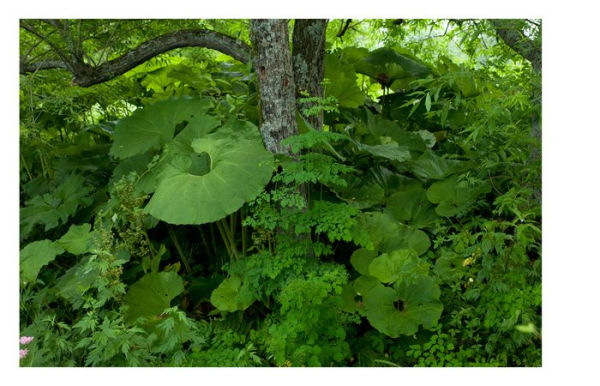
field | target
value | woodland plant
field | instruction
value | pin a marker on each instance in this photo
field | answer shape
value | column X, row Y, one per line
column 398, row 224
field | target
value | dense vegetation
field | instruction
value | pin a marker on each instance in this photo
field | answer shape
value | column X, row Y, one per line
column 400, row 227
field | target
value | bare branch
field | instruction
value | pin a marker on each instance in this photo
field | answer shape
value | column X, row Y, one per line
column 344, row 28
column 29, row 28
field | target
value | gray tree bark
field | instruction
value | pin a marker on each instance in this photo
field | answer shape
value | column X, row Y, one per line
column 272, row 62
column 85, row 75
column 509, row 31
column 308, row 60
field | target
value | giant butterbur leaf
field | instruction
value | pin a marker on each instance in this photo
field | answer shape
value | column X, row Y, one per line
column 349, row 301
column 181, row 145
column 400, row 310
column 390, row 151
column 402, row 264
column 361, row 192
column 342, row 82
column 454, row 197
column 361, row 259
column 232, row 295
column 408, row 237
column 430, row 166
column 224, row 173
column 36, row 255
column 386, row 65
column 449, row 267
column 152, row 294
column 154, row 125
column 387, row 235
column 363, row 284
column 406, row 140
column 411, row 206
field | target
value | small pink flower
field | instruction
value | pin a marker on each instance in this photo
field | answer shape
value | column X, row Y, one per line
column 23, row 353
column 25, row 339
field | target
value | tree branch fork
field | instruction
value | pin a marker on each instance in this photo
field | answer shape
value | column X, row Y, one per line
column 86, row 75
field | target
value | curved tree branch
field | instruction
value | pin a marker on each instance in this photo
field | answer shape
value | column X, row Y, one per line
column 42, row 65
column 85, row 75
column 513, row 37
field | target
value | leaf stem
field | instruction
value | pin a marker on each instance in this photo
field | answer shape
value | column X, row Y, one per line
column 179, row 249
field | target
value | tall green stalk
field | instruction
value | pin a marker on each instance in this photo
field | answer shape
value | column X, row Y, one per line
column 179, row 249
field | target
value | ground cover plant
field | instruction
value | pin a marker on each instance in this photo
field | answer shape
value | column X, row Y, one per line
column 280, row 192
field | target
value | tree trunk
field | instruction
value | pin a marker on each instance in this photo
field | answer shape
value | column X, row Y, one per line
column 308, row 60
column 273, row 65
column 510, row 32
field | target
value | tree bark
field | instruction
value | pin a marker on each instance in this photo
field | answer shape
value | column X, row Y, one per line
column 308, row 60
column 513, row 37
column 272, row 62
column 86, row 75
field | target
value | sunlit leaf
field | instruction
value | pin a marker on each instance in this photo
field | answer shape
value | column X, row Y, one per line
column 232, row 295
column 401, row 264
column 152, row 294
column 36, row 255
column 342, row 82
column 77, row 240
column 235, row 170
column 153, row 126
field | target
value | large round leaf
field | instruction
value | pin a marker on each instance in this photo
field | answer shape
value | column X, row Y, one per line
column 387, row 65
column 411, row 206
column 361, row 193
column 342, row 82
column 431, row 166
column 361, row 259
column 154, row 125
column 232, row 295
column 400, row 310
column 390, row 151
column 454, row 197
column 237, row 168
column 402, row 264
column 152, row 294
column 386, row 235
column 363, row 284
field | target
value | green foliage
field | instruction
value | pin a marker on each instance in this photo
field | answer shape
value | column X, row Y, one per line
column 419, row 305
column 387, row 65
column 342, row 84
column 309, row 330
column 156, row 229
column 237, row 171
column 150, row 295
column 152, row 127
column 56, row 207
column 36, row 255
column 454, row 197
column 211, row 173
column 232, row 295
column 78, row 240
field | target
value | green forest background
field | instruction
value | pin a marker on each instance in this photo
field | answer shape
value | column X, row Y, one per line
column 401, row 227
